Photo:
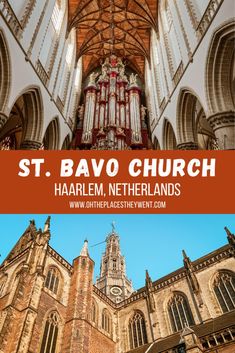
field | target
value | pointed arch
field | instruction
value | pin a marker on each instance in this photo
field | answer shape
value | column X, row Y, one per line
column 156, row 144
column 169, row 139
column 137, row 330
column 106, row 321
column 179, row 312
column 52, row 135
column 224, row 289
column 220, row 70
column 94, row 312
column 5, row 74
column 49, row 341
column 25, row 122
column 66, row 143
column 53, row 280
column 193, row 129
column 3, row 282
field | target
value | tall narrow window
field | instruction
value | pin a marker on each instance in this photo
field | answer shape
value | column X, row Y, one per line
column 180, row 313
column 106, row 321
column 94, row 312
column 170, row 35
column 50, row 334
column 57, row 16
column 137, row 331
column 51, row 41
column 3, row 282
column 224, row 288
column 114, row 264
column 52, row 280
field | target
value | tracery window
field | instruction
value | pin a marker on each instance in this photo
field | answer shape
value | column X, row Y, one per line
column 171, row 35
column 179, row 312
column 52, row 280
column 137, row 331
column 51, row 40
column 94, row 312
column 3, row 282
column 106, row 321
column 224, row 288
column 57, row 16
column 50, row 335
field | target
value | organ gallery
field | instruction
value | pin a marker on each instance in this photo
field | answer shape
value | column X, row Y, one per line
column 112, row 116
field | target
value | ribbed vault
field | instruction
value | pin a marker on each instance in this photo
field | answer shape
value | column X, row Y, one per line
column 121, row 27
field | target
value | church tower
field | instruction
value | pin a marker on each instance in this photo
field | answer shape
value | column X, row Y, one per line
column 113, row 280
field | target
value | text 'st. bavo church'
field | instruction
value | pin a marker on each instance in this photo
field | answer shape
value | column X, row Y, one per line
column 49, row 305
column 117, row 75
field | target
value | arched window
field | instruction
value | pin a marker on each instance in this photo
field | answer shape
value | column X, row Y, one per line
column 50, row 334
column 137, row 331
column 94, row 312
column 66, row 67
column 114, row 264
column 51, row 41
column 52, row 280
column 57, row 16
column 106, row 321
column 224, row 288
column 171, row 36
column 180, row 313
column 3, row 282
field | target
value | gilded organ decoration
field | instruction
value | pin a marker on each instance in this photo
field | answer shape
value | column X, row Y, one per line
column 112, row 116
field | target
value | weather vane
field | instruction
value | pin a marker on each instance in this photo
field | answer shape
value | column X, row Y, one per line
column 113, row 226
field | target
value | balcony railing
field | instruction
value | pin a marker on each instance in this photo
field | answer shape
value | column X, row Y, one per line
column 208, row 16
column 42, row 72
column 10, row 17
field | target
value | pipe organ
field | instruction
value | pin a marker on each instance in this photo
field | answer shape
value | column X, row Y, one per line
column 112, row 116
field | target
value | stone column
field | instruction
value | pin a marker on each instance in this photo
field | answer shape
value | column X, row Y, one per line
column 223, row 125
column 3, row 120
column 30, row 145
column 187, row 146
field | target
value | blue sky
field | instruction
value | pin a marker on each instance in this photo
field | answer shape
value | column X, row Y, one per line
column 152, row 242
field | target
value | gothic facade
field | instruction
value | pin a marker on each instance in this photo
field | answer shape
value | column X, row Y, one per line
column 49, row 305
column 182, row 53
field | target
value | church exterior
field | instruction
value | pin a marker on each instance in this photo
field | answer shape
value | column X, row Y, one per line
column 49, row 305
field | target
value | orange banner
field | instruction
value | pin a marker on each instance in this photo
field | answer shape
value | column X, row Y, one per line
column 117, row 182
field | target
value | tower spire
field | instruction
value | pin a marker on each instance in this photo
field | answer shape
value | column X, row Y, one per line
column 113, row 227
column 47, row 224
column 113, row 280
column 84, row 251
column 230, row 237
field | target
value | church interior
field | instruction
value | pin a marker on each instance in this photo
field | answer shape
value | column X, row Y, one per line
column 117, row 74
column 48, row 305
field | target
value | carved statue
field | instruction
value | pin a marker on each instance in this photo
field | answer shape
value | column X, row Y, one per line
column 80, row 111
column 104, row 74
column 133, row 79
column 122, row 73
column 92, row 78
column 120, row 131
column 101, row 131
column 143, row 111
